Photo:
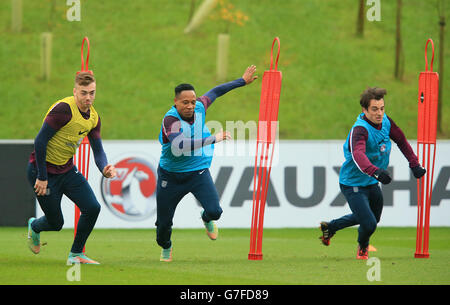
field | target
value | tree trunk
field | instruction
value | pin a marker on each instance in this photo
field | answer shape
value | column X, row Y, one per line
column 441, row 65
column 398, row 73
column 192, row 10
column 46, row 55
column 223, row 42
column 16, row 18
column 360, row 20
column 203, row 10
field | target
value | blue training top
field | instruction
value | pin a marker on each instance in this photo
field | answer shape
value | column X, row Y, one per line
column 174, row 160
column 378, row 149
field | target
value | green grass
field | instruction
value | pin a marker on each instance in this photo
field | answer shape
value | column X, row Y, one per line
column 291, row 257
column 139, row 54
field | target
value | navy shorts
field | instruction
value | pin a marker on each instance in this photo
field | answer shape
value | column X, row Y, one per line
column 366, row 204
column 172, row 187
column 76, row 188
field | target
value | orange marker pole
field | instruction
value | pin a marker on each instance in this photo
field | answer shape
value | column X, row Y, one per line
column 426, row 148
column 268, row 121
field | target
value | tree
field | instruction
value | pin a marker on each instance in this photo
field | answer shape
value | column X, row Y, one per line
column 191, row 11
column 441, row 11
column 399, row 57
column 360, row 20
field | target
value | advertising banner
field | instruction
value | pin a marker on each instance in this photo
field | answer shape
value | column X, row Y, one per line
column 303, row 188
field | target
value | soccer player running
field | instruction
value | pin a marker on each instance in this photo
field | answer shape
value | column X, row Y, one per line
column 187, row 151
column 51, row 170
column 366, row 152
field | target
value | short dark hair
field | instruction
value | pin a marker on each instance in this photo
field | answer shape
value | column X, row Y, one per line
column 369, row 94
column 183, row 87
column 84, row 79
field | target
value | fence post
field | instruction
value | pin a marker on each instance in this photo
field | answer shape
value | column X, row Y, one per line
column 223, row 42
column 46, row 55
column 16, row 15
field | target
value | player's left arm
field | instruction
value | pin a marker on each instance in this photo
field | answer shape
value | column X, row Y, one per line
column 108, row 170
column 247, row 78
column 397, row 135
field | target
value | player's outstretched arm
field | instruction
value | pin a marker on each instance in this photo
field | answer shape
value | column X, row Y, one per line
column 222, row 136
column 249, row 74
column 247, row 78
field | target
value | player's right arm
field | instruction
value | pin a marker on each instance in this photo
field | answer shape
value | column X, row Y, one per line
column 247, row 78
column 59, row 116
column 40, row 147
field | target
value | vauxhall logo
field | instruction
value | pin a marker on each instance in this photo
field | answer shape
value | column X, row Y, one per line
column 292, row 187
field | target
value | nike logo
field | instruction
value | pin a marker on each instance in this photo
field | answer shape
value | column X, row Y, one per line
column 81, row 132
column 201, row 172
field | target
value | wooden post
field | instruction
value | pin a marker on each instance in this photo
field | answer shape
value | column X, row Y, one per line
column 360, row 19
column 16, row 15
column 223, row 42
column 46, row 55
column 398, row 73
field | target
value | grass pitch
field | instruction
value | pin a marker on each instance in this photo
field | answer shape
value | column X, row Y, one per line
column 291, row 257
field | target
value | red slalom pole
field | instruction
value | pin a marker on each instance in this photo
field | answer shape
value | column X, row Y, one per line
column 81, row 161
column 85, row 66
column 426, row 147
column 268, row 119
